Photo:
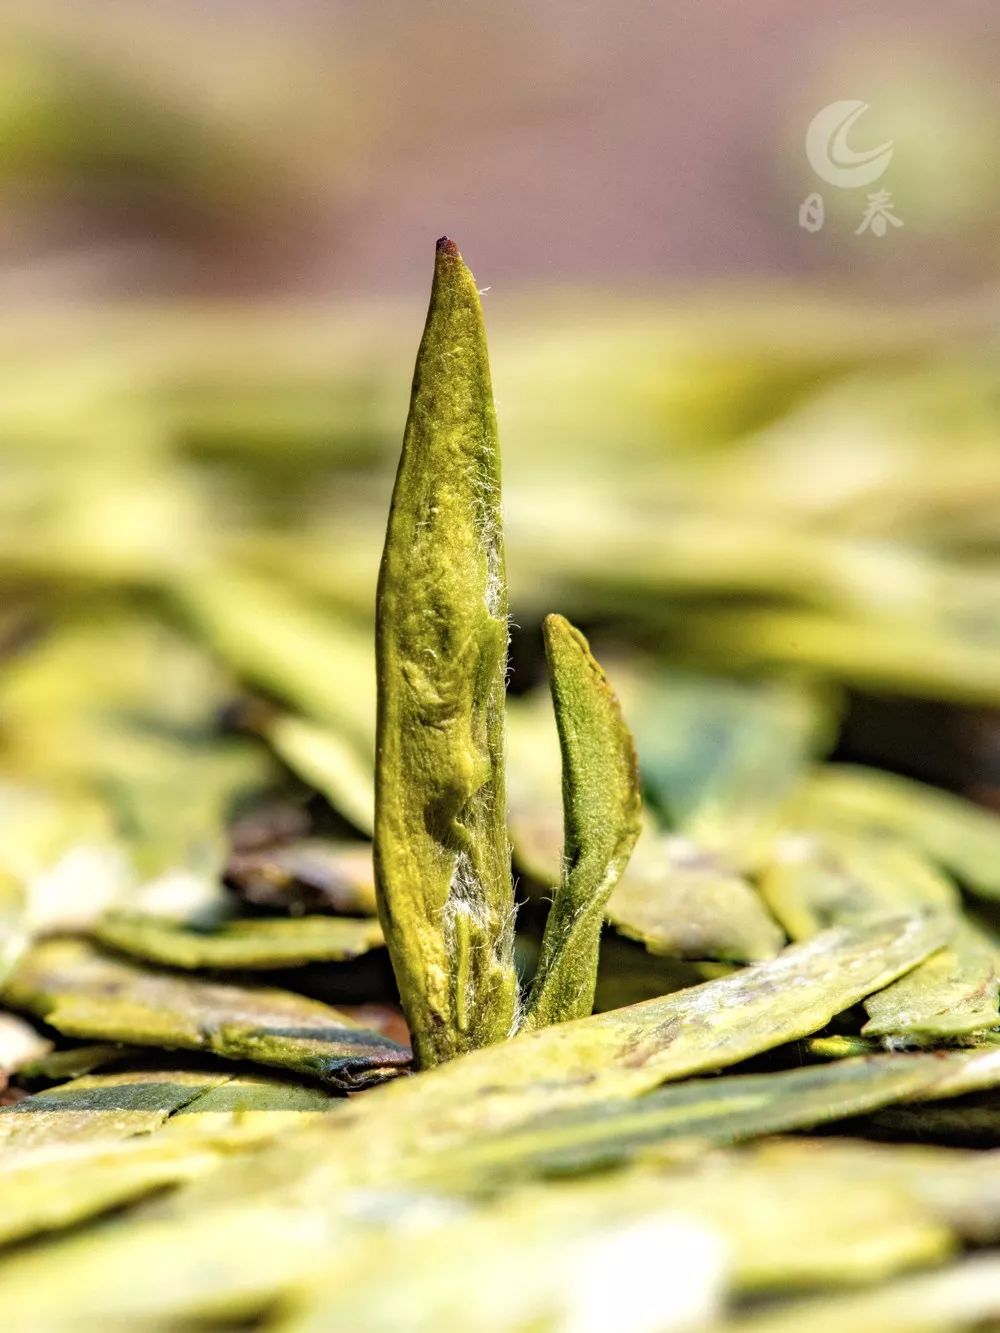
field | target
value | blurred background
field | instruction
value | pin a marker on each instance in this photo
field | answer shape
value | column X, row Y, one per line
column 749, row 413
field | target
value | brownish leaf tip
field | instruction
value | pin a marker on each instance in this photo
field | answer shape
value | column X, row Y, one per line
column 448, row 247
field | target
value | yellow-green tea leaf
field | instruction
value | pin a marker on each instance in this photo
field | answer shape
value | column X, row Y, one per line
column 442, row 862
column 601, row 817
column 261, row 942
column 82, row 993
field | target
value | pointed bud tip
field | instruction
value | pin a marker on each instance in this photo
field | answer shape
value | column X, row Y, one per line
column 445, row 246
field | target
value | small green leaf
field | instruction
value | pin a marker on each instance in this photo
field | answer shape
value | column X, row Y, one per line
column 601, row 816
column 441, row 856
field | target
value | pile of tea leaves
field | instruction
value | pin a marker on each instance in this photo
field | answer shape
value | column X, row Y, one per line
column 779, row 531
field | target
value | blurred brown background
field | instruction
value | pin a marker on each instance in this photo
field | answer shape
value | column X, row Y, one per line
column 316, row 148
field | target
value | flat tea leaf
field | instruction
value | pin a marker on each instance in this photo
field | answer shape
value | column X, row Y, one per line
column 720, row 756
column 124, row 709
column 957, row 834
column 75, row 1061
column 972, row 1122
column 578, row 1256
column 815, row 881
column 601, row 818
column 683, row 901
column 627, row 1052
column 441, row 855
column 264, row 943
column 50, row 1189
column 682, row 1117
column 249, row 1109
column 908, row 655
column 958, row 1187
column 100, row 1143
column 581, row 1251
column 14, row 923
column 951, row 994
column 299, row 650
column 100, row 1106
column 84, row 994
column 964, row 1295
column 573, row 1246
column 229, row 1251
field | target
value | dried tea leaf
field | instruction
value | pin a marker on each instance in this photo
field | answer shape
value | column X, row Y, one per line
column 601, row 818
column 778, row 1229
column 959, row 1188
column 581, row 1250
column 49, row 1189
column 957, row 834
column 228, row 1247
column 122, row 710
column 681, row 1118
column 720, row 757
column 579, row 1259
column 257, row 943
column 905, row 655
column 966, row 1294
column 218, row 1264
column 789, row 1226
column 814, row 881
column 627, row 1052
column 84, row 994
column 75, row 1061
column 115, row 1141
column 953, row 993
column 441, row 856
column 249, row 1108
column 310, row 875
column 969, row 1122
column 683, row 901
column 14, row 922
column 100, row 1106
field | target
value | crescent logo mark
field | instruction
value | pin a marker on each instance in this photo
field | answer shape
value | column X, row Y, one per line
column 829, row 154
